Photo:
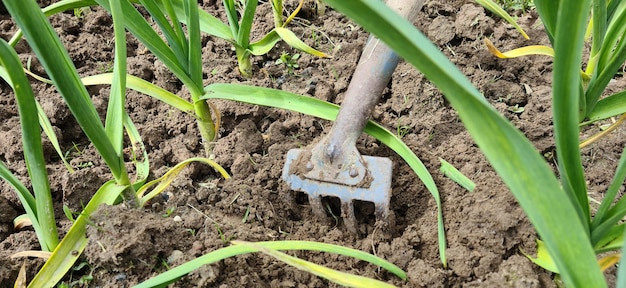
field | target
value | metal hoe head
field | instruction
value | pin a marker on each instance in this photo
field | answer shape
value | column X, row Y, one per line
column 366, row 179
column 334, row 167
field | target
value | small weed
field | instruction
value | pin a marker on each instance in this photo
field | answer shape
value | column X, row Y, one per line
column 315, row 37
column 516, row 109
column 106, row 67
column 192, row 232
column 335, row 74
column 431, row 136
column 514, row 5
column 504, row 99
column 169, row 212
column 73, row 151
column 289, row 61
column 318, row 36
column 83, row 165
column 330, row 210
column 81, row 12
column 95, row 225
column 295, row 136
column 163, row 263
column 402, row 130
column 69, row 213
column 245, row 215
column 83, row 281
column 225, row 239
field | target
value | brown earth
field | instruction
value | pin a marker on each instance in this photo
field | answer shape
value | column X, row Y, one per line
column 485, row 229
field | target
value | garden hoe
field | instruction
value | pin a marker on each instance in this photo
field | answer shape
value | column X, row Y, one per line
column 334, row 167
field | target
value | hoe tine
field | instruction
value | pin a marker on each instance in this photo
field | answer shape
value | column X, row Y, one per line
column 374, row 185
column 347, row 213
column 316, row 206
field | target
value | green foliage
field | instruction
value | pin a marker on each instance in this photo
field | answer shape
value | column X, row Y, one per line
column 39, row 207
column 69, row 214
column 107, row 138
column 80, row 13
column 604, row 60
column 558, row 208
column 55, row 59
column 271, row 248
column 168, row 212
column 181, row 53
column 516, row 5
column 496, row 9
column 240, row 16
column 290, row 61
column 577, row 99
column 451, row 172
column 402, row 130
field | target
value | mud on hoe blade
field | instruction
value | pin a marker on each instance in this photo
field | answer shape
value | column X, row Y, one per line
column 334, row 167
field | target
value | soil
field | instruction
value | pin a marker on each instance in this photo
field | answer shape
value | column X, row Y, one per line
column 486, row 230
